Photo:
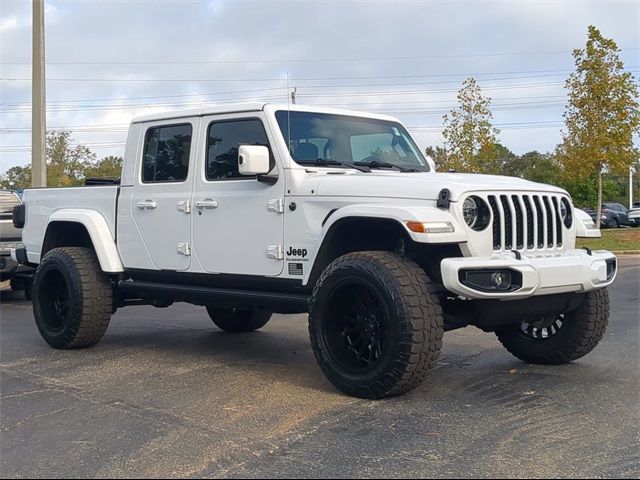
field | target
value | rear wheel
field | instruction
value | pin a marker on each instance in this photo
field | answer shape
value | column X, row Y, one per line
column 72, row 298
column 240, row 319
column 375, row 324
column 561, row 338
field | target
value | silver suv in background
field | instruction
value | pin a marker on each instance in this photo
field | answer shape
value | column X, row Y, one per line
column 10, row 237
column 634, row 215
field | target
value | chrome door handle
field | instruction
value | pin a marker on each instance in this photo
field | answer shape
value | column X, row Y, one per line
column 207, row 203
column 147, row 205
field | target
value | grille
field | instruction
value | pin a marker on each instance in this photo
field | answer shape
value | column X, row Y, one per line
column 526, row 222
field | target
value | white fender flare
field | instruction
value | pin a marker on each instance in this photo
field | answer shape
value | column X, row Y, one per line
column 402, row 214
column 101, row 237
column 399, row 213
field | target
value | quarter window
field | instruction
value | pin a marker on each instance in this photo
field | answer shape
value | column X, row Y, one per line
column 166, row 153
column 223, row 142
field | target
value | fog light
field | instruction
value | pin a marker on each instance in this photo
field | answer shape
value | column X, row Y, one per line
column 501, row 280
column 492, row 280
column 611, row 269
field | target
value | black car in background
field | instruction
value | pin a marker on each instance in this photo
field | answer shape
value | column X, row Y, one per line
column 614, row 215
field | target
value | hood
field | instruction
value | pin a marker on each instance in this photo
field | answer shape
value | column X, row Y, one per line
column 423, row 186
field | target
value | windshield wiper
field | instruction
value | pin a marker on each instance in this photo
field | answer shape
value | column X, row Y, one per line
column 379, row 164
column 334, row 163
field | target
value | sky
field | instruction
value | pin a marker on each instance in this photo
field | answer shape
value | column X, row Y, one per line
column 110, row 60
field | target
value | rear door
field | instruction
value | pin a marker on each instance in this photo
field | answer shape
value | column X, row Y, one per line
column 160, row 201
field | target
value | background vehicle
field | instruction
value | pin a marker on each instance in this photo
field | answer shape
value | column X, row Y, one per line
column 614, row 215
column 617, row 213
column 10, row 237
column 254, row 209
column 634, row 215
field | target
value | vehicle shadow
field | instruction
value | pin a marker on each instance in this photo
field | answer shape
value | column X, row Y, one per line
column 280, row 351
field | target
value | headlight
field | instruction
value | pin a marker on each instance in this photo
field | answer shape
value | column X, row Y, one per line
column 566, row 213
column 476, row 214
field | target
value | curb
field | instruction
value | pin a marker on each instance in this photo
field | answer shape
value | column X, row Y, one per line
column 626, row 253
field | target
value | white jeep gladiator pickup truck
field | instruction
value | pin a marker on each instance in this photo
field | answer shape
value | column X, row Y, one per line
column 256, row 209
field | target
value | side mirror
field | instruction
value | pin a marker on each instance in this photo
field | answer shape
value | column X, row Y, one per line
column 253, row 160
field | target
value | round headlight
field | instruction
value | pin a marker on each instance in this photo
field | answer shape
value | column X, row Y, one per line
column 566, row 213
column 470, row 211
column 476, row 213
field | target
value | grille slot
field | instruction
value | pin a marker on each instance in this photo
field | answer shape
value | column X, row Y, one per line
column 526, row 222
column 508, row 222
column 497, row 230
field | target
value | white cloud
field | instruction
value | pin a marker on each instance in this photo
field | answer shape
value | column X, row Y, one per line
column 184, row 40
column 214, row 7
column 10, row 23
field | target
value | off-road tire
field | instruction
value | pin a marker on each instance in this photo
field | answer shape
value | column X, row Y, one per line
column 89, row 303
column 581, row 332
column 415, row 320
column 239, row 320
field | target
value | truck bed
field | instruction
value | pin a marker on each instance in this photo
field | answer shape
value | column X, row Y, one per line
column 41, row 203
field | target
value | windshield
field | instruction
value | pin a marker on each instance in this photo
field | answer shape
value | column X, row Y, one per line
column 317, row 138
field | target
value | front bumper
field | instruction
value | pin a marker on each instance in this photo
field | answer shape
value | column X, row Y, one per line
column 571, row 271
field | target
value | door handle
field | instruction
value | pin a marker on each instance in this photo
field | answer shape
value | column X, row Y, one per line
column 207, row 203
column 147, row 205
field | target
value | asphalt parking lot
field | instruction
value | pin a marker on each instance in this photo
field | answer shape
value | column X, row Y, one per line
column 167, row 394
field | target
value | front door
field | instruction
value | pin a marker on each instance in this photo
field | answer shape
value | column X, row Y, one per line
column 238, row 221
column 162, row 193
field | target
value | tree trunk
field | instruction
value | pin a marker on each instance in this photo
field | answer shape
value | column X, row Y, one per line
column 599, row 205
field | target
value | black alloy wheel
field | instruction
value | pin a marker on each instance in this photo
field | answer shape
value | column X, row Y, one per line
column 356, row 329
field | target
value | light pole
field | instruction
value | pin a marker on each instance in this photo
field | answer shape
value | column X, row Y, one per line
column 632, row 170
column 38, row 100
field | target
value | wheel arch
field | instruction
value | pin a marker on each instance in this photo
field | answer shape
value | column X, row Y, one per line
column 353, row 234
column 83, row 228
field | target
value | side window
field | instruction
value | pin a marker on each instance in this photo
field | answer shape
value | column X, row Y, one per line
column 166, row 153
column 223, row 142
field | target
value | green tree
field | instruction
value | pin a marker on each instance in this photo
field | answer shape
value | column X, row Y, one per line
column 602, row 115
column 16, row 178
column 439, row 156
column 468, row 129
column 496, row 159
column 539, row 167
column 108, row 167
column 66, row 163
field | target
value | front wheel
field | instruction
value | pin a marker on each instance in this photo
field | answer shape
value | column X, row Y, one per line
column 561, row 338
column 375, row 324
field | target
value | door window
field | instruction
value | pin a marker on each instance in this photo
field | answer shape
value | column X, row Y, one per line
column 166, row 154
column 223, row 142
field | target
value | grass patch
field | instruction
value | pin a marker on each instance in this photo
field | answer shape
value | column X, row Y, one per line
column 614, row 239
